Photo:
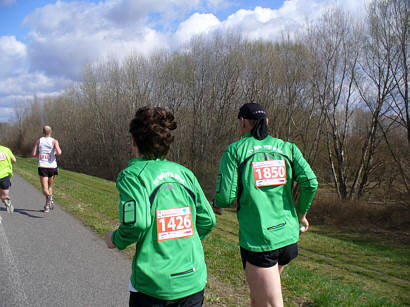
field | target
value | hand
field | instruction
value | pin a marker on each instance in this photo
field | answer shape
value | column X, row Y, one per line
column 108, row 240
column 218, row 211
column 303, row 222
column 215, row 209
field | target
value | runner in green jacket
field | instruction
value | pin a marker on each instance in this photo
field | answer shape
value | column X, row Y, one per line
column 164, row 211
column 258, row 172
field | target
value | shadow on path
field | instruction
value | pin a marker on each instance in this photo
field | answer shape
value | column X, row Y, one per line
column 25, row 212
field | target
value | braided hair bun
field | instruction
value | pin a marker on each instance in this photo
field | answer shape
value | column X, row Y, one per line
column 151, row 129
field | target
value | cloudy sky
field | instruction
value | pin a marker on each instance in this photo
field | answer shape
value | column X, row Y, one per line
column 45, row 44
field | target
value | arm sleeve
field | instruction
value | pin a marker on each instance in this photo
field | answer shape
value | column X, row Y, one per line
column 131, row 192
column 205, row 217
column 306, row 179
column 227, row 180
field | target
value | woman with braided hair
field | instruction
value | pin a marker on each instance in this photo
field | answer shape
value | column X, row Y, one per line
column 164, row 211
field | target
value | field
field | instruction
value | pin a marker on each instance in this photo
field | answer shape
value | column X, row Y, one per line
column 336, row 266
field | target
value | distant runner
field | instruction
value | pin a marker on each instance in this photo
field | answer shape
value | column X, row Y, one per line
column 258, row 172
column 165, row 212
column 48, row 148
column 6, row 172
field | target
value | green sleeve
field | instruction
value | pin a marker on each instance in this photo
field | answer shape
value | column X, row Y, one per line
column 205, row 217
column 306, row 179
column 137, row 217
column 227, row 180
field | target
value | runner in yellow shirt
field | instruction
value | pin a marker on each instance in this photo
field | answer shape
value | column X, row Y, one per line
column 6, row 172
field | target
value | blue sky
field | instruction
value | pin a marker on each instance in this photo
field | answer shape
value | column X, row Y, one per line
column 44, row 45
column 12, row 15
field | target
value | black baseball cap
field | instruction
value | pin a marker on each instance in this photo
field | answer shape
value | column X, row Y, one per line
column 252, row 111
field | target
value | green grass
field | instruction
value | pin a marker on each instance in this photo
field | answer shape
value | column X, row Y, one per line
column 335, row 267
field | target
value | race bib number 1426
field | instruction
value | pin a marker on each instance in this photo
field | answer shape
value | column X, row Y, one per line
column 270, row 172
column 174, row 223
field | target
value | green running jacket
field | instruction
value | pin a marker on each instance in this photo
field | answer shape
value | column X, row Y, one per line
column 164, row 211
column 260, row 175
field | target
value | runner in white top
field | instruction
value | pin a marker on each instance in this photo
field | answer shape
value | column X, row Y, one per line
column 48, row 148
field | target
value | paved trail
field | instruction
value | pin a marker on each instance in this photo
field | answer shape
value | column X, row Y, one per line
column 53, row 260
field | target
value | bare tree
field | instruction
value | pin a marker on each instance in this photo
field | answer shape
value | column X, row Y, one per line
column 334, row 43
column 396, row 17
column 379, row 66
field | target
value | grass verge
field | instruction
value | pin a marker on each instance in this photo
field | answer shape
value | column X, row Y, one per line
column 335, row 267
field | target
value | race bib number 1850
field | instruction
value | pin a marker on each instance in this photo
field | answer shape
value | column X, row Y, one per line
column 270, row 172
column 174, row 223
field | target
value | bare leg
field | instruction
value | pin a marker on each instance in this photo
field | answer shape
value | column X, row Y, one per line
column 45, row 188
column 264, row 284
column 4, row 196
column 50, row 191
column 44, row 185
column 50, row 185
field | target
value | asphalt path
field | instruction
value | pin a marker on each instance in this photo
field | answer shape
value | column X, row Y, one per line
column 52, row 259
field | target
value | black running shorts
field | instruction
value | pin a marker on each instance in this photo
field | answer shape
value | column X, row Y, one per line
column 138, row 299
column 5, row 183
column 47, row 172
column 270, row 258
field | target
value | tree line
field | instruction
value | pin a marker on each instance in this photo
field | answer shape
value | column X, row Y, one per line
column 338, row 89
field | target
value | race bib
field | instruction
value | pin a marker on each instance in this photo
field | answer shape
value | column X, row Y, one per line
column 270, row 172
column 44, row 157
column 174, row 223
column 2, row 156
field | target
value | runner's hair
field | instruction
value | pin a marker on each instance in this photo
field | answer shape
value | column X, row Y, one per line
column 151, row 130
column 260, row 128
column 46, row 130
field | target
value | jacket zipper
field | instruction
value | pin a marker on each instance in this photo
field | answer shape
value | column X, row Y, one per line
column 184, row 272
column 277, row 226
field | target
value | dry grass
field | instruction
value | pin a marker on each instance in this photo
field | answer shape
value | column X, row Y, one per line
column 393, row 220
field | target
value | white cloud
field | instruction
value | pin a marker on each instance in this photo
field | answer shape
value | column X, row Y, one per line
column 66, row 36
column 258, row 23
column 195, row 25
column 270, row 24
column 266, row 23
column 12, row 55
column 25, row 85
column 131, row 11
